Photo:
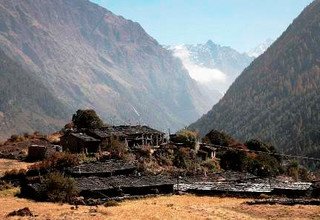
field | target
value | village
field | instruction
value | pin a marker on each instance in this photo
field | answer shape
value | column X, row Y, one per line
column 102, row 163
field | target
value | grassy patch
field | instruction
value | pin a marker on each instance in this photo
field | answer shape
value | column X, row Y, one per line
column 9, row 192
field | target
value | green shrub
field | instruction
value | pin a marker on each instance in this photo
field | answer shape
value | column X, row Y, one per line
column 210, row 165
column 293, row 170
column 304, row 174
column 145, row 151
column 298, row 172
column 58, row 188
column 186, row 137
column 185, row 158
column 234, row 160
column 218, row 138
column 86, row 119
column 264, row 165
column 258, row 145
column 165, row 156
column 117, row 149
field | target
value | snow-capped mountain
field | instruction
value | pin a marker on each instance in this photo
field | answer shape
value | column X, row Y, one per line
column 213, row 66
column 260, row 49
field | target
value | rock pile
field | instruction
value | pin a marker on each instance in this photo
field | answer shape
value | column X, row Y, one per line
column 21, row 212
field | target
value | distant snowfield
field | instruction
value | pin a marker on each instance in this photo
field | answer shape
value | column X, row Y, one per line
column 203, row 75
column 260, row 49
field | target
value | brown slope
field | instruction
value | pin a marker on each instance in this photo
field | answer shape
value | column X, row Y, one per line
column 277, row 97
column 92, row 58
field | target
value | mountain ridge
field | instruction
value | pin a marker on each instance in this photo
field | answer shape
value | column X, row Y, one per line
column 90, row 58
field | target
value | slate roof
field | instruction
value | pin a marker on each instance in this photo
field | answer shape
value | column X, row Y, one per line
column 85, row 137
column 101, row 183
column 248, row 185
column 123, row 130
column 101, row 167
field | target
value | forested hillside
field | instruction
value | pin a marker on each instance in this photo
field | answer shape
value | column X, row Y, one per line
column 277, row 98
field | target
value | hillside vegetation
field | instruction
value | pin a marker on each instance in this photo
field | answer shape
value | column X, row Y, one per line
column 25, row 103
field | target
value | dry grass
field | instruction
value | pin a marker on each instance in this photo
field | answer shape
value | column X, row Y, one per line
column 6, row 165
column 174, row 207
column 9, row 192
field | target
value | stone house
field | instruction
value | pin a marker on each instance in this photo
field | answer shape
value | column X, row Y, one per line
column 80, row 143
column 131, row 136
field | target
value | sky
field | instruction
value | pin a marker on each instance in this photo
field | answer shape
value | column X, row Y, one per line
column 241, row 24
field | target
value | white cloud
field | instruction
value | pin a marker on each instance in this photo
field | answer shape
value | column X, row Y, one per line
column 201, row 74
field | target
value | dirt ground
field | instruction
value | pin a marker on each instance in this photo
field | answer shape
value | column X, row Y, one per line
column 168, row 207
